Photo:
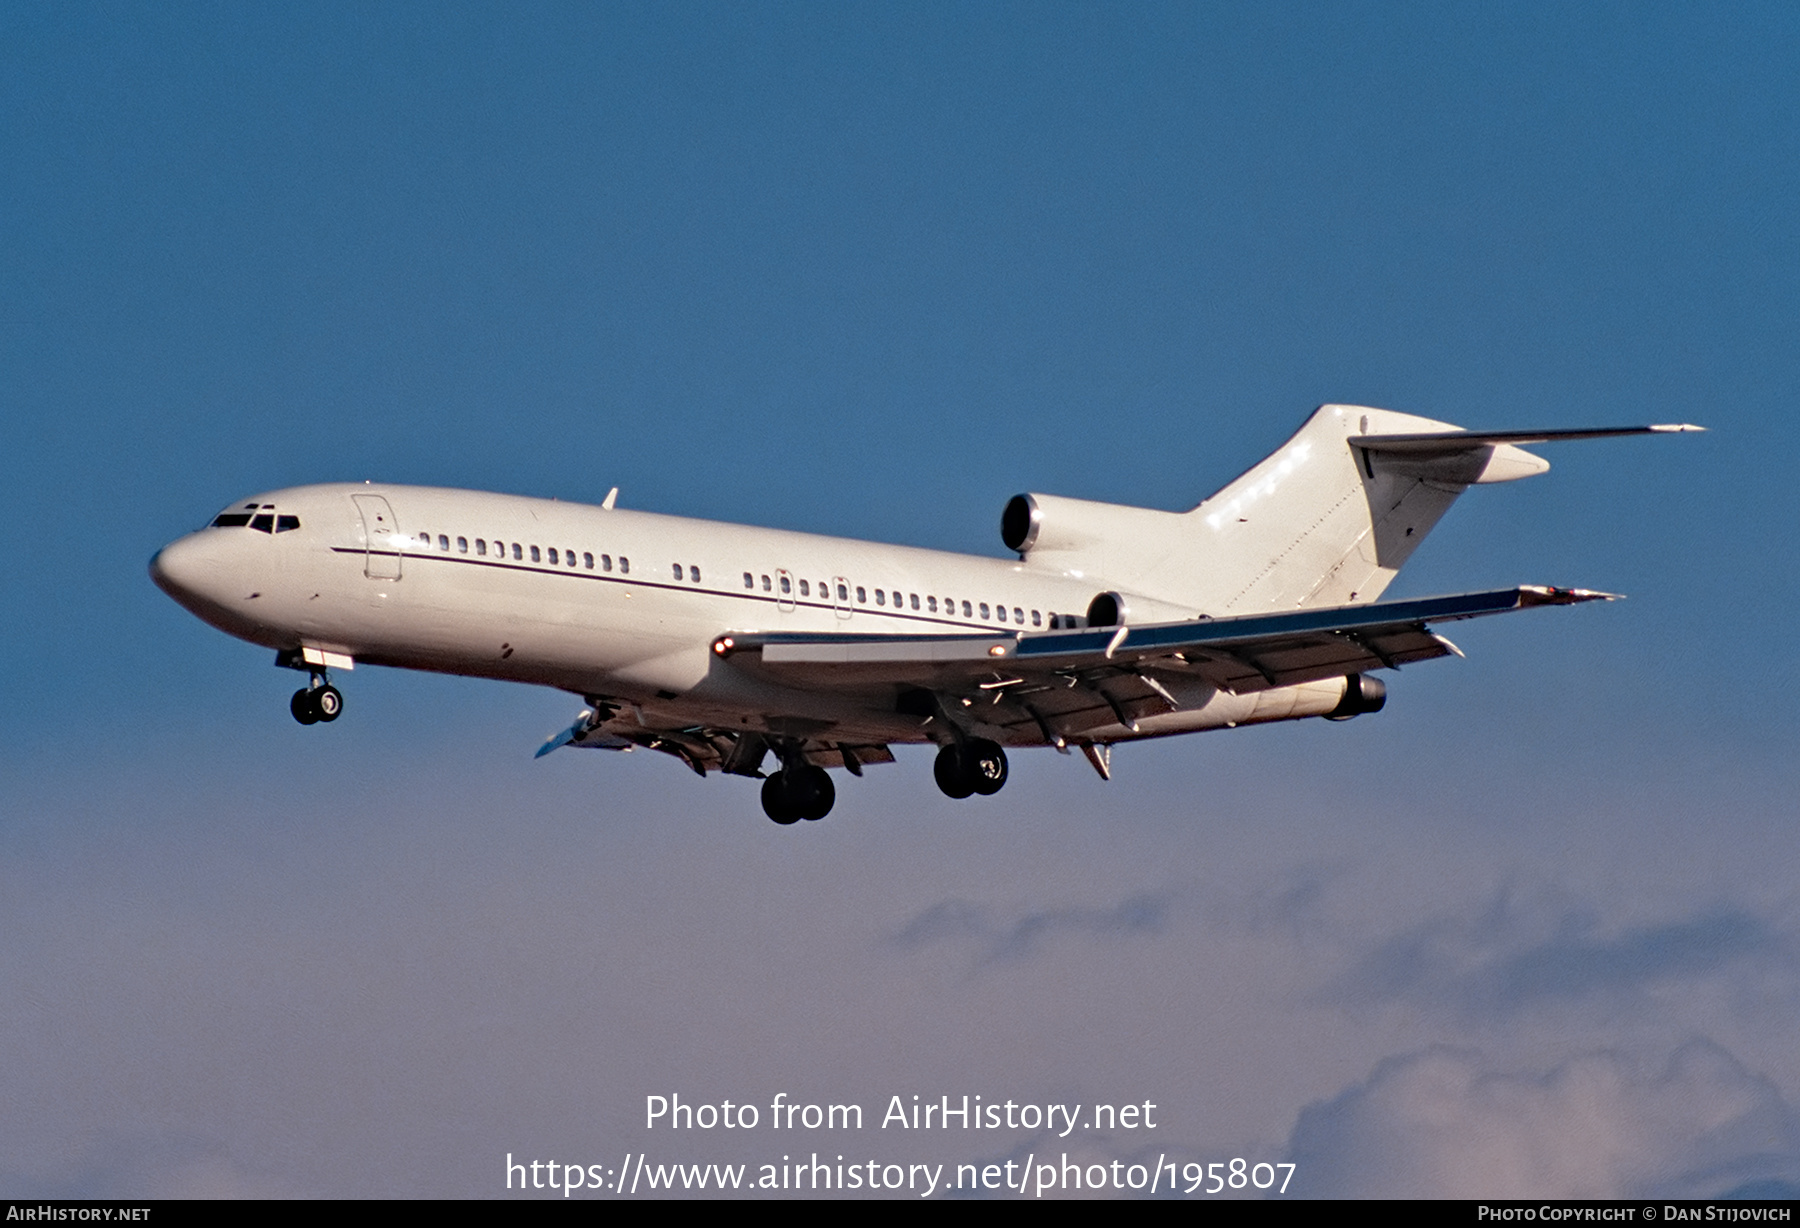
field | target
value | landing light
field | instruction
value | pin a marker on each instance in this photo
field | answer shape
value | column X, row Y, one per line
column 998, row 650
column 723, row 645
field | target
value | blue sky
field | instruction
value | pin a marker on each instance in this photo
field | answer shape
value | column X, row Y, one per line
column 871, row 270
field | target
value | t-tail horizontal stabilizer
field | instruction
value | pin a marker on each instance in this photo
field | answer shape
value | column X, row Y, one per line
column 1439, row 442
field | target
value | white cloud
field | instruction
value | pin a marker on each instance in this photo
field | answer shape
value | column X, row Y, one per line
column 1445, row 1124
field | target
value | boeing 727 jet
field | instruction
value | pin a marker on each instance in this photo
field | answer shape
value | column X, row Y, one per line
column 731, row 648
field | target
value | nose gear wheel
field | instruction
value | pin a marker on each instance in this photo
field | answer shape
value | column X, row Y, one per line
column 310, row 705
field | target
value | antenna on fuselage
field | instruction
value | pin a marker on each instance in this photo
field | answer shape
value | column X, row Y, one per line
column 612, row 497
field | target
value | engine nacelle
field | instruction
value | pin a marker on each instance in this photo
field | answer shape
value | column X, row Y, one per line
column 1038, row 525
column 1117, row 609
column 1361, row 694
column 1108, row 610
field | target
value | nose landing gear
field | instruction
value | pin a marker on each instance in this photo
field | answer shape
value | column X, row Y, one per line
column 319, row 702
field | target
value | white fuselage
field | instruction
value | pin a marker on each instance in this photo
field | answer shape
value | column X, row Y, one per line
column 722, row 643
column 615, row 603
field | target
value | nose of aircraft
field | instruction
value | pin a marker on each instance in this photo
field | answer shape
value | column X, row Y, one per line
column 186, row 570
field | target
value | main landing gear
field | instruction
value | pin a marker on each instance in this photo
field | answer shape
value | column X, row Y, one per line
column 972, row 766
column 798, row 791
column 802, row 790
column 317, row 702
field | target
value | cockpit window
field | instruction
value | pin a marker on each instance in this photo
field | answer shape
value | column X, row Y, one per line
column 260, row 517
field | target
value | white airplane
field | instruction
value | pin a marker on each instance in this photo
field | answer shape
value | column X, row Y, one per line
column 722, row 644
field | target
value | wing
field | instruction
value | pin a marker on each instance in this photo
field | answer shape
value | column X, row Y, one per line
column 1244, row 654
column 1048, row 687
column 612, row 727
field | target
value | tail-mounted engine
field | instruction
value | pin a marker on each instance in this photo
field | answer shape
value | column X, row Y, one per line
column 1074, row 532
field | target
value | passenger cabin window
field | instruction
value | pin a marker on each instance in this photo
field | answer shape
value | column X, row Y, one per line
column 1036, row 619
column 749, row 580
column 843, row 592
column 786, row 585
column 444, row 542
column 677, row 568
column 587, row 560
column 462, row 543
column 693, row 573
column 624, row 566
column 606, row 562
column 861, row 596
column 966, row 613
column 880, row 598
column 931, row 605
column 554, row 560
column 535, row 556
column 481, row 546
column 519, row 551
column 914, row 599
column 767, row 587
column 804, row 591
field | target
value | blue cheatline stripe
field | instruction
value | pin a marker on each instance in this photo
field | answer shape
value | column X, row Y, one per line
column 1261, row 626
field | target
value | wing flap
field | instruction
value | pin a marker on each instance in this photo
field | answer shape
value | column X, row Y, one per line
column 1257, row 666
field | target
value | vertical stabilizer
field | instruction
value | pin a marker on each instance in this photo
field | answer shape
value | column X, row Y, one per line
column 1322, row 522
column 1327, row 520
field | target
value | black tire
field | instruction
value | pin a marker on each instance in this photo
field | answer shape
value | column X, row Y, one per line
column 775, row 800
column 986, row 766
column 821, row 794
column 952, row 772
column 328, row 702
column 301, row 705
